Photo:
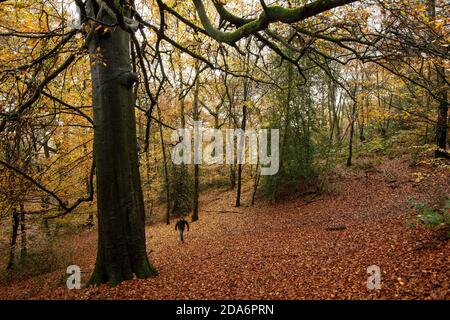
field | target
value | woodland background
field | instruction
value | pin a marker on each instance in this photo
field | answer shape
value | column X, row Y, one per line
column 359, row 93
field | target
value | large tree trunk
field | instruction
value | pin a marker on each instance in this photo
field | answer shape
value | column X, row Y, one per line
column 442, row 120
column 121, row 248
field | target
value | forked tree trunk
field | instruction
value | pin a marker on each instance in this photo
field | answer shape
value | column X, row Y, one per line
column 121, row 251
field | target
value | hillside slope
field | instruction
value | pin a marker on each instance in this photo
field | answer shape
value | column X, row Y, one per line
column 288, row 250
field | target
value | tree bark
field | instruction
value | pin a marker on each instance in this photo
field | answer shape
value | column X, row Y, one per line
column 243, row 126
column 12, row 247
column 196, row 115
column 23, row 235
column 442, row 120
column 166, row 171
column 286, row 123
column 256, row 183
column 121, row 251
column 239, row 166
column 352, row 130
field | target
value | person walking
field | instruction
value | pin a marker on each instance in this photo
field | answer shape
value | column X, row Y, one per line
column 180, row 226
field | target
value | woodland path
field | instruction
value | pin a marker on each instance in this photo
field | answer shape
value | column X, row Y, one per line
column 284, row 251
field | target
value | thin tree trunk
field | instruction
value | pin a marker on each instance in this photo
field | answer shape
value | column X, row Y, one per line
column 287, row 120
column 362, row 137
column 196, row 117
column 352, row 130
column 232, row 176
column 148, row 176
column 90, row 219
column 239, row 166
column 333, row 116
column 166, row 172
column 23, row 235
column 183, row 194
column 231, row 125
column 243, row 125
column 12, row 246
column 353, row 119
column 427, row 106
column 256, row 183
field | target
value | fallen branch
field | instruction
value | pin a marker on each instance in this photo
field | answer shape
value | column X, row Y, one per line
column 222, row 211
column 336, row 228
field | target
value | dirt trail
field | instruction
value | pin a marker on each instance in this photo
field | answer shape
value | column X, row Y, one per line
column 285, row 251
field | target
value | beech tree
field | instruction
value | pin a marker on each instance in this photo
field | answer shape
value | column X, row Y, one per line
column 121, row 248
column 121, row 244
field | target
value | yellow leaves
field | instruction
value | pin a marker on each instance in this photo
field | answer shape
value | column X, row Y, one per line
column 248, row 104
column 86, row 28
column 20, row 5
column 32, row 42
column 419, row 176
column 421, row 8
column 377, row 114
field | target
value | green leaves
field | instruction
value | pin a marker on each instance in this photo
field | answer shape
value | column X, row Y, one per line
column 433, row 218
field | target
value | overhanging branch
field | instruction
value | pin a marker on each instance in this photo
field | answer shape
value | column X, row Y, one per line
column 269, row 15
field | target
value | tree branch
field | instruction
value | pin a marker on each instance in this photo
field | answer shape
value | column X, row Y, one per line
column 270, row 15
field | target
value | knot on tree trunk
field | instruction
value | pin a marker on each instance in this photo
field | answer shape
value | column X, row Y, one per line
column 129, row 79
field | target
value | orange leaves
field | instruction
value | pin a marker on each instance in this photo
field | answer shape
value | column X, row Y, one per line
column 283, row 251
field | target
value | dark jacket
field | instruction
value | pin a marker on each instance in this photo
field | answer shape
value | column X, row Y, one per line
column 181, row 224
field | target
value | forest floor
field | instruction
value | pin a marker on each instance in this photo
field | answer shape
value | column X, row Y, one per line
column 284, row 250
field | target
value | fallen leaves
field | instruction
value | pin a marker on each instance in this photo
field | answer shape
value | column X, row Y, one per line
column 283, row 251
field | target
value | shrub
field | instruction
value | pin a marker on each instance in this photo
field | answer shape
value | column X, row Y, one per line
column 434, row 218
